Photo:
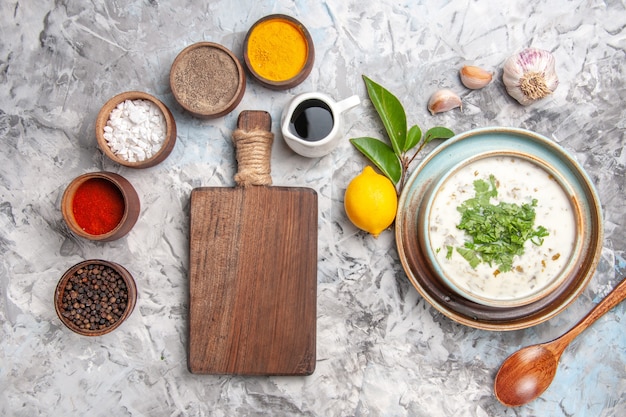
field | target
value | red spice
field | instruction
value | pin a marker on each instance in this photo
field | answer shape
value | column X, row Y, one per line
column 98, row 206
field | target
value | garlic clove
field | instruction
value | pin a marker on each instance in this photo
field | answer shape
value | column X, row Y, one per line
column 443, row 100
column 474, row 77
column 530, row 75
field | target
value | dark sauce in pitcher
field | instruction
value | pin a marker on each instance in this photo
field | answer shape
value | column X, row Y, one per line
column 312, row 120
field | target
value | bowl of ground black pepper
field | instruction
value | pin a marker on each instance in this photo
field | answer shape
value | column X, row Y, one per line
column 278, row 52
column 135, row 129
column 101, row 206
column 94, row 297
column 207, row 80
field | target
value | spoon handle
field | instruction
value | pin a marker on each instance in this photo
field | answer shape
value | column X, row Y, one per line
column 616, row 296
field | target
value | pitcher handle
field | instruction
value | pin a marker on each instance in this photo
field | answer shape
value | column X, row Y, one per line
column 348, row 103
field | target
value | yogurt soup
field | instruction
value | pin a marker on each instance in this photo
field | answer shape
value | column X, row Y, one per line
column 519, row 181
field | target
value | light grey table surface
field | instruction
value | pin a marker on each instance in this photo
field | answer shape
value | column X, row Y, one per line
column 381, row 349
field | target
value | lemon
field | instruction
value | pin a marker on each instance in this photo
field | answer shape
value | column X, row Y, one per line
column 371, row 201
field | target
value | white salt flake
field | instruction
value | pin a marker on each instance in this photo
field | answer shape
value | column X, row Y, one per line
column 135, row 130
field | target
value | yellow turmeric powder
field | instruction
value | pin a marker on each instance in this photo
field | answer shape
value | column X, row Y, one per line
column 277, row 50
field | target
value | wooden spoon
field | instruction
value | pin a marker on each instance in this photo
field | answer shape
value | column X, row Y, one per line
column 527, row 373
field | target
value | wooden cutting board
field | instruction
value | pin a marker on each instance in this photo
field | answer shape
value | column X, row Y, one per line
column 253, row 274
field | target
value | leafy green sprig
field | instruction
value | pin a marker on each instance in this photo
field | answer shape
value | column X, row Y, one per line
column 393, row 161
column 497, row 233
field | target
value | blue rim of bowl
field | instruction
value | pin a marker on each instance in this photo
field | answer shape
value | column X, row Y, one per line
column 529, row 296
column 418, row 267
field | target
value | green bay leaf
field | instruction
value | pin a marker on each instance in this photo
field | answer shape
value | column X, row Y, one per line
column 437, row 132
column 391, row 113
column 381, row 155
column 413, row 138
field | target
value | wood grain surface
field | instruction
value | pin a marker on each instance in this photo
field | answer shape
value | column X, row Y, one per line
column 253, row 280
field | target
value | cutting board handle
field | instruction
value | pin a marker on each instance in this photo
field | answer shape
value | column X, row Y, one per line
column 253, row 148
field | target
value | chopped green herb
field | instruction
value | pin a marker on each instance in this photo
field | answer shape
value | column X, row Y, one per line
column 449, row 250
column 497, row 232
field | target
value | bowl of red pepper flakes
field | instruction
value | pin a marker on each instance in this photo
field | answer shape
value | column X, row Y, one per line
column 102, row 206
column 94, row 297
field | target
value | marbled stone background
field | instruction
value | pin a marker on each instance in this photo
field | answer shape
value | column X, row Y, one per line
column 382, row 350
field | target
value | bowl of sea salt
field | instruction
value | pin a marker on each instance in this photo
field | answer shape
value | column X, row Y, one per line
column 135, row 129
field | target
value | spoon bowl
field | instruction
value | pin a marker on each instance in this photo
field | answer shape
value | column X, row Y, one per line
column 527, row 373
column 521, row 376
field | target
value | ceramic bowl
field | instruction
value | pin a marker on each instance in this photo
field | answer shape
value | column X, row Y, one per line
column 279, row 51
column 444, row 291
column 79, row 299
column 520, row 177
column 207, row 80
column 167, row 141
column 128, row 218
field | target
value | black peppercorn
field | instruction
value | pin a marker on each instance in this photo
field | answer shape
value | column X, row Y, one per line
column 95, row 298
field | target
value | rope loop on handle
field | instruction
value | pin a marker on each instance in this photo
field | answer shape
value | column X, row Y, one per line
column 253, row 150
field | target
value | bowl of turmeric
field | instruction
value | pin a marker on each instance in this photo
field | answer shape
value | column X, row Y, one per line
column 278, row 52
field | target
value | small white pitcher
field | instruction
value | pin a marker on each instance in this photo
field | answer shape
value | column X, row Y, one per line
column 326, row 124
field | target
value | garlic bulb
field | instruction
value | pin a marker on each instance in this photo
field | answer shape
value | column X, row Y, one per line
column 443, row 100
column 474, row 77
column 530, row 75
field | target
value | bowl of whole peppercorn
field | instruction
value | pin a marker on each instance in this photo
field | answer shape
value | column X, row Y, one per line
column 94, row 297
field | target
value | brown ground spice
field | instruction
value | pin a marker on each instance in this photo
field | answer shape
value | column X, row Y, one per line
column 206, row 79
